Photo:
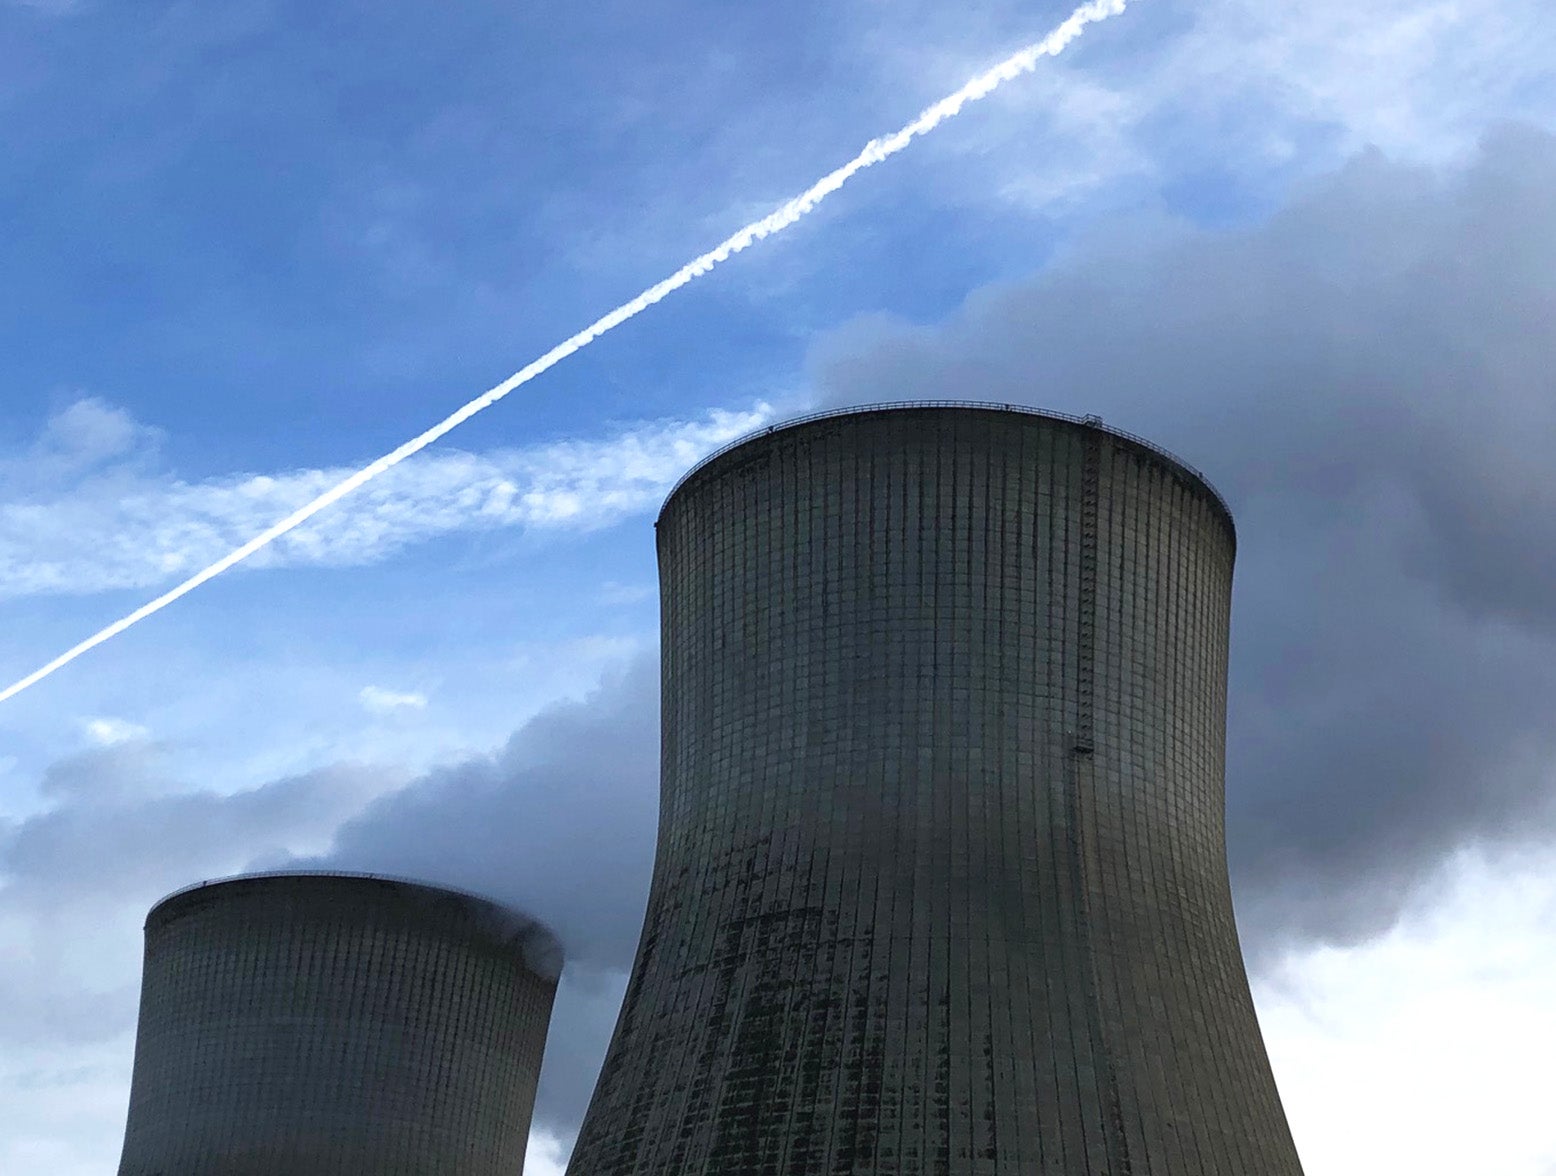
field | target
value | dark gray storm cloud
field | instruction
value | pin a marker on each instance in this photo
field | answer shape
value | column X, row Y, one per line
column 559, row 824
column 1370, row 377
column 77, row 879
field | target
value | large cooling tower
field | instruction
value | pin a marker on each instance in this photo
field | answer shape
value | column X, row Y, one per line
column 941, row 882
column 337, row 1025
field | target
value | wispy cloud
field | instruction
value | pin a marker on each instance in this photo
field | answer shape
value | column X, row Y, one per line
column 88, row 435
column 385, row 702
column 1243, row 88
column 1416, row 79
column 122, row 527
column 105, row 732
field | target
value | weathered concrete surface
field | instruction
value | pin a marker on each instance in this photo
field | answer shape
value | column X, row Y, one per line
column 306, row 1025
column 941, row 881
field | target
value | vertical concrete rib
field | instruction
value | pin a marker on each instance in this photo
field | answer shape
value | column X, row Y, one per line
column 941, row 883
column 335, row 1025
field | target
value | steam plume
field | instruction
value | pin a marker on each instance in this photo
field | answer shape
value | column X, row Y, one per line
column 876, row 150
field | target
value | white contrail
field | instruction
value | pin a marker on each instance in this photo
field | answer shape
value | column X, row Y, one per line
column 874, row 152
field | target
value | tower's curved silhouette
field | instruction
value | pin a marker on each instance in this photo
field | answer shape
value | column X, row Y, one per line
column 941, row 882
column 337, row 1025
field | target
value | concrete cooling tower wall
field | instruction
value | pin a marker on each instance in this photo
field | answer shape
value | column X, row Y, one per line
column 941, row 882
column 337, row 1025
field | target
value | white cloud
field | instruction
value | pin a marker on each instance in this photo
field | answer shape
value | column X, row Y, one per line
column 1427, row 1050
column 126, row 529
column 383, row 702
column 545, row 1156
column 105, row 732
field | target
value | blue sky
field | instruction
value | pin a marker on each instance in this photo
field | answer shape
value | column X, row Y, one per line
column 247, row 247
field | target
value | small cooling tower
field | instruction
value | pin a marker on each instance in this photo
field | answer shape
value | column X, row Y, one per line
column 337, row 1025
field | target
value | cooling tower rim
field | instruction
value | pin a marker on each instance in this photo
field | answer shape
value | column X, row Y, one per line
column 1089, row 422
column 541, row 948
